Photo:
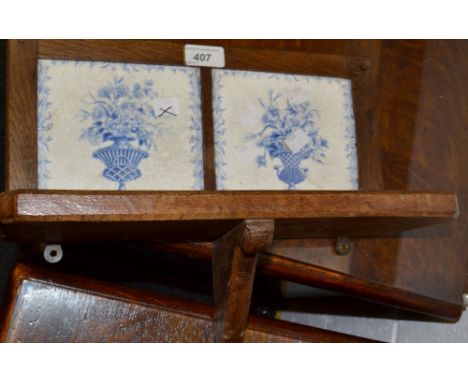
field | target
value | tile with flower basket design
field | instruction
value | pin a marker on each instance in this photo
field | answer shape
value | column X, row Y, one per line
column 283, row 132
column 116, row 126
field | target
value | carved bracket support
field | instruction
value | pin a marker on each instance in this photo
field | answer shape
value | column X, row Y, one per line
column 234, row 264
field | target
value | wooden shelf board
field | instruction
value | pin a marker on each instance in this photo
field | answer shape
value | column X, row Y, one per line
column 69, row 215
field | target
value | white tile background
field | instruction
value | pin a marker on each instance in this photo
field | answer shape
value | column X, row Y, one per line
column 238, row 113
column 70, row 85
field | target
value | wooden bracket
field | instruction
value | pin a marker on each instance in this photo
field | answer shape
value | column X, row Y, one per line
column 234, row 263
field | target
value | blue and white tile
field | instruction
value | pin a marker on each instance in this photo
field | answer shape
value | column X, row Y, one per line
column 116, row 126
column 280, row 131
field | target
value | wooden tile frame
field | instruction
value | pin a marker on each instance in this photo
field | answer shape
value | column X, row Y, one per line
column 22, row 57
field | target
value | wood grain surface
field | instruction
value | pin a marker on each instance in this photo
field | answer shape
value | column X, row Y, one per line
column 49, row 215
column 235, row 259
column 21, row 115
column 421, row 107
column 302, row 272
column 91, row 206
column 43, row 306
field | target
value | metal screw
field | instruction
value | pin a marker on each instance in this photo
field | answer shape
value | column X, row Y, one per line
column 343, row 246
column 53, row 253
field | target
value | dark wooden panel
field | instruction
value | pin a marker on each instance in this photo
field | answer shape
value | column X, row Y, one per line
column 398, row 80
column 132, row 51
column 421, row 108
column 21, row 133
column 363, row 48
column 58, row 232
column 171, row 53
column 209, row 165
column 438, row 158
column 47, row 307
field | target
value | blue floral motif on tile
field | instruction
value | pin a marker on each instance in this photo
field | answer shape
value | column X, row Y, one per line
column 123, row 118
column 279, row 125
column 44, row 124
column 350, row 136
column 299, row 135
column 123, row 115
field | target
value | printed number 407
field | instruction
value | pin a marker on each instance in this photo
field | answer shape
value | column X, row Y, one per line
column 202, row 57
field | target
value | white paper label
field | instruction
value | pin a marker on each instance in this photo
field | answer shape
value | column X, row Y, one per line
column 204, row 55
column 166, row 107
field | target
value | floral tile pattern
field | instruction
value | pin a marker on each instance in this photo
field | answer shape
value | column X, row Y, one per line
column 279, row 131
column 116, row 126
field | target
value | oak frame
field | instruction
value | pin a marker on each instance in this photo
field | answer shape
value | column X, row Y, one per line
column 21, row 121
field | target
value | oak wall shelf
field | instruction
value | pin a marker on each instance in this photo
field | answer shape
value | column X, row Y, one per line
column 64, row 215
column 242, row 226
column 285, row 235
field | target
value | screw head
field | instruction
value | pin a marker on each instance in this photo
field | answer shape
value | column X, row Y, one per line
column 343, row 246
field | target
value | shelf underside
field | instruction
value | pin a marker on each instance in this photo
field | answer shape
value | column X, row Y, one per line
column 172, row 215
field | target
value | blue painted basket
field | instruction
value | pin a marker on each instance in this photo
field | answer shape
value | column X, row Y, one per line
column 121, row 163
column 291, row 174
